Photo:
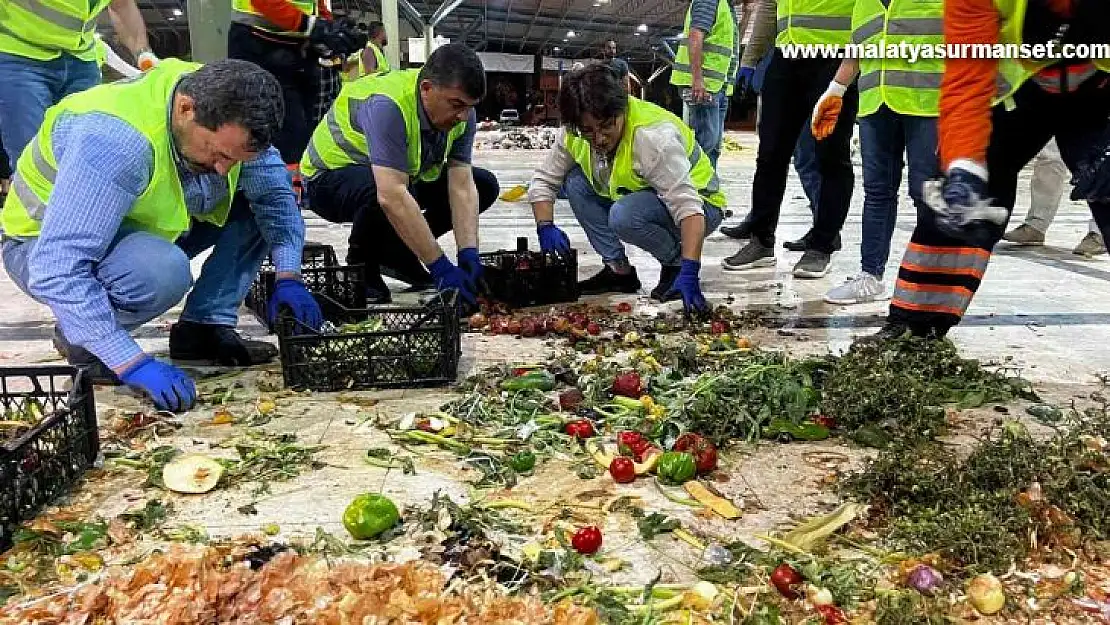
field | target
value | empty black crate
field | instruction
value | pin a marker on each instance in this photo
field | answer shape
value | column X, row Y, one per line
column 526, row 278
column 41, row 463
column 404, row 346
column 321, row 274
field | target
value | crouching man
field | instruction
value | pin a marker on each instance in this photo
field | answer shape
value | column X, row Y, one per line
column 633, row 173
column 122, row 185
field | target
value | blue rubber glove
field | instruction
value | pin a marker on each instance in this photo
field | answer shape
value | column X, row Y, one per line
column 471, row 265
column 169, row 387
column 292, row 293
column 688, row 285
column 964, row 211
column 448, row 276
column 744, row 78
column 552, row 239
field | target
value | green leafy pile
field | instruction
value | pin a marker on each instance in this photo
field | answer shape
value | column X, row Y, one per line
column 981, row 512
column 909, row 381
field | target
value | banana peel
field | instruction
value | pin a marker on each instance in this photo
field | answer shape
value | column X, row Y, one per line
column 714, row 502
column 515, row 193
column 651, row 460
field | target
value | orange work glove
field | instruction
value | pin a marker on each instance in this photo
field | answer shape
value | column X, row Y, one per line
column 827, row 111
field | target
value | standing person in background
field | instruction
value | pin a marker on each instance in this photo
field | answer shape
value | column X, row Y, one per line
column 618, row 65
column 289, row 38
column 1046, row 190
column 371, row 60
column 898, row 108
column 49, row 52
column 791, row 88
column 704, row 68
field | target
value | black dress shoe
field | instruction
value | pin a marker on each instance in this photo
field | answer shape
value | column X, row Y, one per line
column 95, row 371
column 218, row 344
column 667, row 275
column 609, row 281
column 742, row 230
column 377, row 293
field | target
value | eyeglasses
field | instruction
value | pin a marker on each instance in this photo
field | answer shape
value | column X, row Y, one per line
column 604, row 128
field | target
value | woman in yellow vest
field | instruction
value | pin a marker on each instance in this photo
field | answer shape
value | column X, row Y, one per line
column 48, row 51
column 633, row 173
column 127, row 181
column 897, row 120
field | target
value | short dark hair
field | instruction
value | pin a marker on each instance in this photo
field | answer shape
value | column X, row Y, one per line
column 594, row 89
column 374, row 29
column 455, row 65
column 233, row 91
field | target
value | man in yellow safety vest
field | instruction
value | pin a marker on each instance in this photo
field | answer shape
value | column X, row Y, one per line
column 633, row 173
column 794, row 81
column 126, row 182
column 48, row 51
column 705, row 68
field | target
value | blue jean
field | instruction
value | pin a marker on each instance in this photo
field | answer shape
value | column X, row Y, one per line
column 805, row 164
column 639, row 218
column 884, row 137
column 708, row 122
column 145, row 275
column 33, row 86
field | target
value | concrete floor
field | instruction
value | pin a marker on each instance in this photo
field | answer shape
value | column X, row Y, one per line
column 1041, row 307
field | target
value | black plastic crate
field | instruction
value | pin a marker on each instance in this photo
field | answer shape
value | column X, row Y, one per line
column 411, row 346
column 44, row 462
column 345, row 284
column 527, row 278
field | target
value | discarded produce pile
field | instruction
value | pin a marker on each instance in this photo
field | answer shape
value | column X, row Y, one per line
column 628, row 434
column 17, row 421
column 521, row 139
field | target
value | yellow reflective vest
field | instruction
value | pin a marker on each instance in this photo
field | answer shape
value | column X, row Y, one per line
column 905, row 87
column 807, row 22
column 717, row 51
column 143, row 103
column 623, row 178
column 379, row 56
column 337, row 143
column 45, row 29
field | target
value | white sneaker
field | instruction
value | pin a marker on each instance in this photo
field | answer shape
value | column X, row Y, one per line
column 859, row 289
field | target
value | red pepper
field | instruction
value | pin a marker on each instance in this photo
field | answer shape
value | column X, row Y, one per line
column 718, row 327
column 586, row 540
column 622, row 470
column 704, row 451
column 825, row 420
column 785, row 579
column 580, row 429
column 624, row 307
column 519, row 371
column 628, row 441
column 593, row 328
column 832, row 615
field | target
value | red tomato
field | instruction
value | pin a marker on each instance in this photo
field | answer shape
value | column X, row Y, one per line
column 704, row 452
column 586, row 540
column 580, row 429
column 832, row 615
column 624, row 307
column 784, row 578
column 593, row 328
column 824, row 420
column 622, row 470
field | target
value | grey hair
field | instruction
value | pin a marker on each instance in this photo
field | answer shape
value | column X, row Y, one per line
column 233, row 91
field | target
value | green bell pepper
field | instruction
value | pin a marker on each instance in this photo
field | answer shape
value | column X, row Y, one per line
column 539, row 380
column 369, row 515
column 676, row 467
column 523, row 462
column 784, row 429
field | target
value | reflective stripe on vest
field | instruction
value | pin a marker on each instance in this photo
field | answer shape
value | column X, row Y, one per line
column 1012, row 73
column 243, row 12
column 623, row 178
column 338, row 141
column 802, row 22
column 143, row 103
column 45, row 29
column 717, row 51
column 906, row 88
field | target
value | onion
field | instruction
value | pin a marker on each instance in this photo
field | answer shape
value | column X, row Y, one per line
column 924, row 579
column 818, row 595
column 985, row 594
column 700, row 596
